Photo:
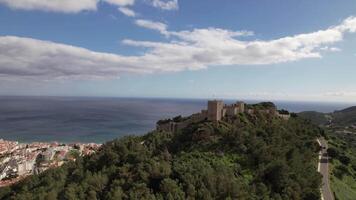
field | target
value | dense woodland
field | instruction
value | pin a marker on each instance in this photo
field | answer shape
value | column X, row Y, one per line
column 244, row 157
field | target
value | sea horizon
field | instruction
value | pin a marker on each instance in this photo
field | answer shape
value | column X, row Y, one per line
column 99, row 119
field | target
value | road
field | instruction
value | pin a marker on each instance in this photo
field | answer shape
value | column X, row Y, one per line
column 323, row 168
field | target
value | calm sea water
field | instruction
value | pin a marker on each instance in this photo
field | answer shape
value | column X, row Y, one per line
column 87, row 119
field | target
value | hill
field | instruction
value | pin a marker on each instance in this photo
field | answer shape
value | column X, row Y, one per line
column 341, row 134
column 317, row 118
column 247, row 156
column 345, row 117
column 338, row 118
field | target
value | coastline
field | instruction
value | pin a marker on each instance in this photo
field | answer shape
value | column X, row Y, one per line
column 90, row 119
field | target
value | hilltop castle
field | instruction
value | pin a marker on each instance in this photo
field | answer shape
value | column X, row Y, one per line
column 216, row 111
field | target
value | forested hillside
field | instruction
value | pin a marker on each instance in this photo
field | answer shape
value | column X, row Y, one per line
column 340, row 129
column 342, row 150
column 317, row 118
column 345, row 117
column 256, row 156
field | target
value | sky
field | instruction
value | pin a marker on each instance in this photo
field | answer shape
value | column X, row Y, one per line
column 298, row 50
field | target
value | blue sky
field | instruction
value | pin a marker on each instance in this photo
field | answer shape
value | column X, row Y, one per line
column 270, row 50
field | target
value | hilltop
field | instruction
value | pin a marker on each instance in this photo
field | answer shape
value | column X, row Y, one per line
column 248, row 155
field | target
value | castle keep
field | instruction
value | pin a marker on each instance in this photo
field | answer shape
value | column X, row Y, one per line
column 217, row 110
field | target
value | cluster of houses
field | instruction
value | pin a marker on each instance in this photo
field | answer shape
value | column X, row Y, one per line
column 19, row 160
column 7, row 146
column 216, row 111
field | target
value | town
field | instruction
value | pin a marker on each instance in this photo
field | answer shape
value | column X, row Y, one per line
column 19, row 160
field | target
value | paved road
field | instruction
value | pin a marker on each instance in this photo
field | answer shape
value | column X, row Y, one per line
column 323, row 168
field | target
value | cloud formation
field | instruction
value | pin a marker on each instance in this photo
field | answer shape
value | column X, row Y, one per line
column 165, row 5
column 331, row 49
column 65, row 6
column 26, row 58
column 186, row 50
column 76, row 6
column 120, row 2
column 341, row 94
column 127, row 11
column 157, row 26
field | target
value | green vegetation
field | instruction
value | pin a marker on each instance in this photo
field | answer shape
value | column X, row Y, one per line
column 341, row 136
column 243, row 157
column 262, row 105
column 283, row 112
column 315, row 117
column 342, row 149
column 339, row 118
column 345, row 117
column 175, row 119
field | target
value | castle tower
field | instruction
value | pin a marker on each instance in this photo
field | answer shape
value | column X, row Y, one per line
column 215, row 110
column 241, row 106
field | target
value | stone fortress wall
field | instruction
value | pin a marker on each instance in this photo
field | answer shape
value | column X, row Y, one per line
column 216, row 110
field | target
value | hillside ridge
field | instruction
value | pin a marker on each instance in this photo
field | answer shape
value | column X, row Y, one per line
column 255, row 155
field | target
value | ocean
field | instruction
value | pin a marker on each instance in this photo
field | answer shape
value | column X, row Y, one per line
column 94, row 119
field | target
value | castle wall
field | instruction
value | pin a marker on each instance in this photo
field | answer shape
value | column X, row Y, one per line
column 234, row 109
column 231, row 110
column 215, row 112
column 284, row 116
column 175, row 126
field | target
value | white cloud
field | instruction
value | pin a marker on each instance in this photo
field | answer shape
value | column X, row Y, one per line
column 334, row 49
column 340, row 94
column 65, row 6
column 127, row 11
column 165, row 4
column 76, row 6
column 331, row 49
column 158, row 26
column 186, row 50
column 26, row 58
column 120, row 2
column 123, row 6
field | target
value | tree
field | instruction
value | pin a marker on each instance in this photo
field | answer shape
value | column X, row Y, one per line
column 344, row 159
column 332, row 152
column 171, row 190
